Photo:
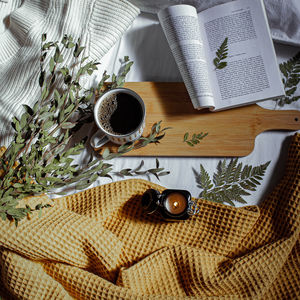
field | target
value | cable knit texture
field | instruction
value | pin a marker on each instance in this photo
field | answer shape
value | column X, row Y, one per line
column 97, row 244
column 99, row 24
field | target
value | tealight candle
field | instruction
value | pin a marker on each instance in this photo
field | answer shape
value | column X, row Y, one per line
column 172, row 205
column 175, row 203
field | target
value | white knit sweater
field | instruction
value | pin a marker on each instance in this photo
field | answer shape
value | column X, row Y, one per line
column 99, row 24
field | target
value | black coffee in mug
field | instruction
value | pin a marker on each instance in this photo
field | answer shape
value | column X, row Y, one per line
column 120, row 113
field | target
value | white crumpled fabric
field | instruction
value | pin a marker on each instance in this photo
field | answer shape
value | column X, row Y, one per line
column 283, row 15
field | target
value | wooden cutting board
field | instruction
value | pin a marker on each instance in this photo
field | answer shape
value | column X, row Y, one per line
column 230, row 133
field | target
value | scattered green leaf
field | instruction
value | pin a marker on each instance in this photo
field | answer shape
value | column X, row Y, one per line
column 195, row 139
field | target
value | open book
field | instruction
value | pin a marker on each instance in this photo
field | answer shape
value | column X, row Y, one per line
column 251, row 73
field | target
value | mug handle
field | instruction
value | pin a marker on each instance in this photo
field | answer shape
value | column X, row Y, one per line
column 98, row 139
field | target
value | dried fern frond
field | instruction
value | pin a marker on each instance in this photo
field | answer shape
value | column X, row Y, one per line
column 291, row 72
column 221, row 54
column 231, row 181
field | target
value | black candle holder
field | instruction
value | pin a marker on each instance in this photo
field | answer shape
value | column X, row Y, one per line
column 172, row 205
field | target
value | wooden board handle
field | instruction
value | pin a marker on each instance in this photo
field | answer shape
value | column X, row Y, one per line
column 277, row 120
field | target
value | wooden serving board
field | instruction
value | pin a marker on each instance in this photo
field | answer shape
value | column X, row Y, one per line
column 230, row 133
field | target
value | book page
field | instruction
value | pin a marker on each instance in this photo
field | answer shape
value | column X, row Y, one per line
column 181, row 28
column 252, row 72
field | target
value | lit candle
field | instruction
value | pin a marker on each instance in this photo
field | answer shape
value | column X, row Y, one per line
column 175, row 203
column 172, row 205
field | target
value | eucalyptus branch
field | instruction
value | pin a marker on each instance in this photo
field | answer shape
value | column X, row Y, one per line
column 41, row 157
column 157, row 171
column 155, row 135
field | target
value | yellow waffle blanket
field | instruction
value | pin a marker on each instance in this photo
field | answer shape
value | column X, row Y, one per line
column 97, row 244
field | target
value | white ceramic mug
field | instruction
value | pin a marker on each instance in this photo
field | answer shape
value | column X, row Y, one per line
column 102, row 136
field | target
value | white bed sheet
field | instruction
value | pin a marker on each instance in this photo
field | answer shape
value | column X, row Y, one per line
column 146, row 45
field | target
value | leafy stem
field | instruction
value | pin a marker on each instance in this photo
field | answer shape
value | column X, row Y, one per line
column 155, row 135
column 41, row 157
column 157, row 171
column 221, row 54
column 195, row 139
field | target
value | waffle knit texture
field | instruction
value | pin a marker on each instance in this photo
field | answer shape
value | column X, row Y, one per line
column 98, row 23
column 98, row 244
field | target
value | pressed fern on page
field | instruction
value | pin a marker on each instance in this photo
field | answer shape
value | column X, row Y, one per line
column 221, row 54
column 291, row 72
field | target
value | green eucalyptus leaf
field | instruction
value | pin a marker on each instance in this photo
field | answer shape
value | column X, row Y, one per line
column 42, row 78
column 47, row 125
column 139, row 167
column 126, row 171
column 140, row 172
column 28, row 109
column 163, row 173
column 47, row 46
column 61, row 116
column 105, row 172
column 83, row 185
column 105, row 153
column 70, row 108
column 45, row 115
column 36, row 107
column 45, row 93
column 51, row 65
column 70, row 45
column 23, row 121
